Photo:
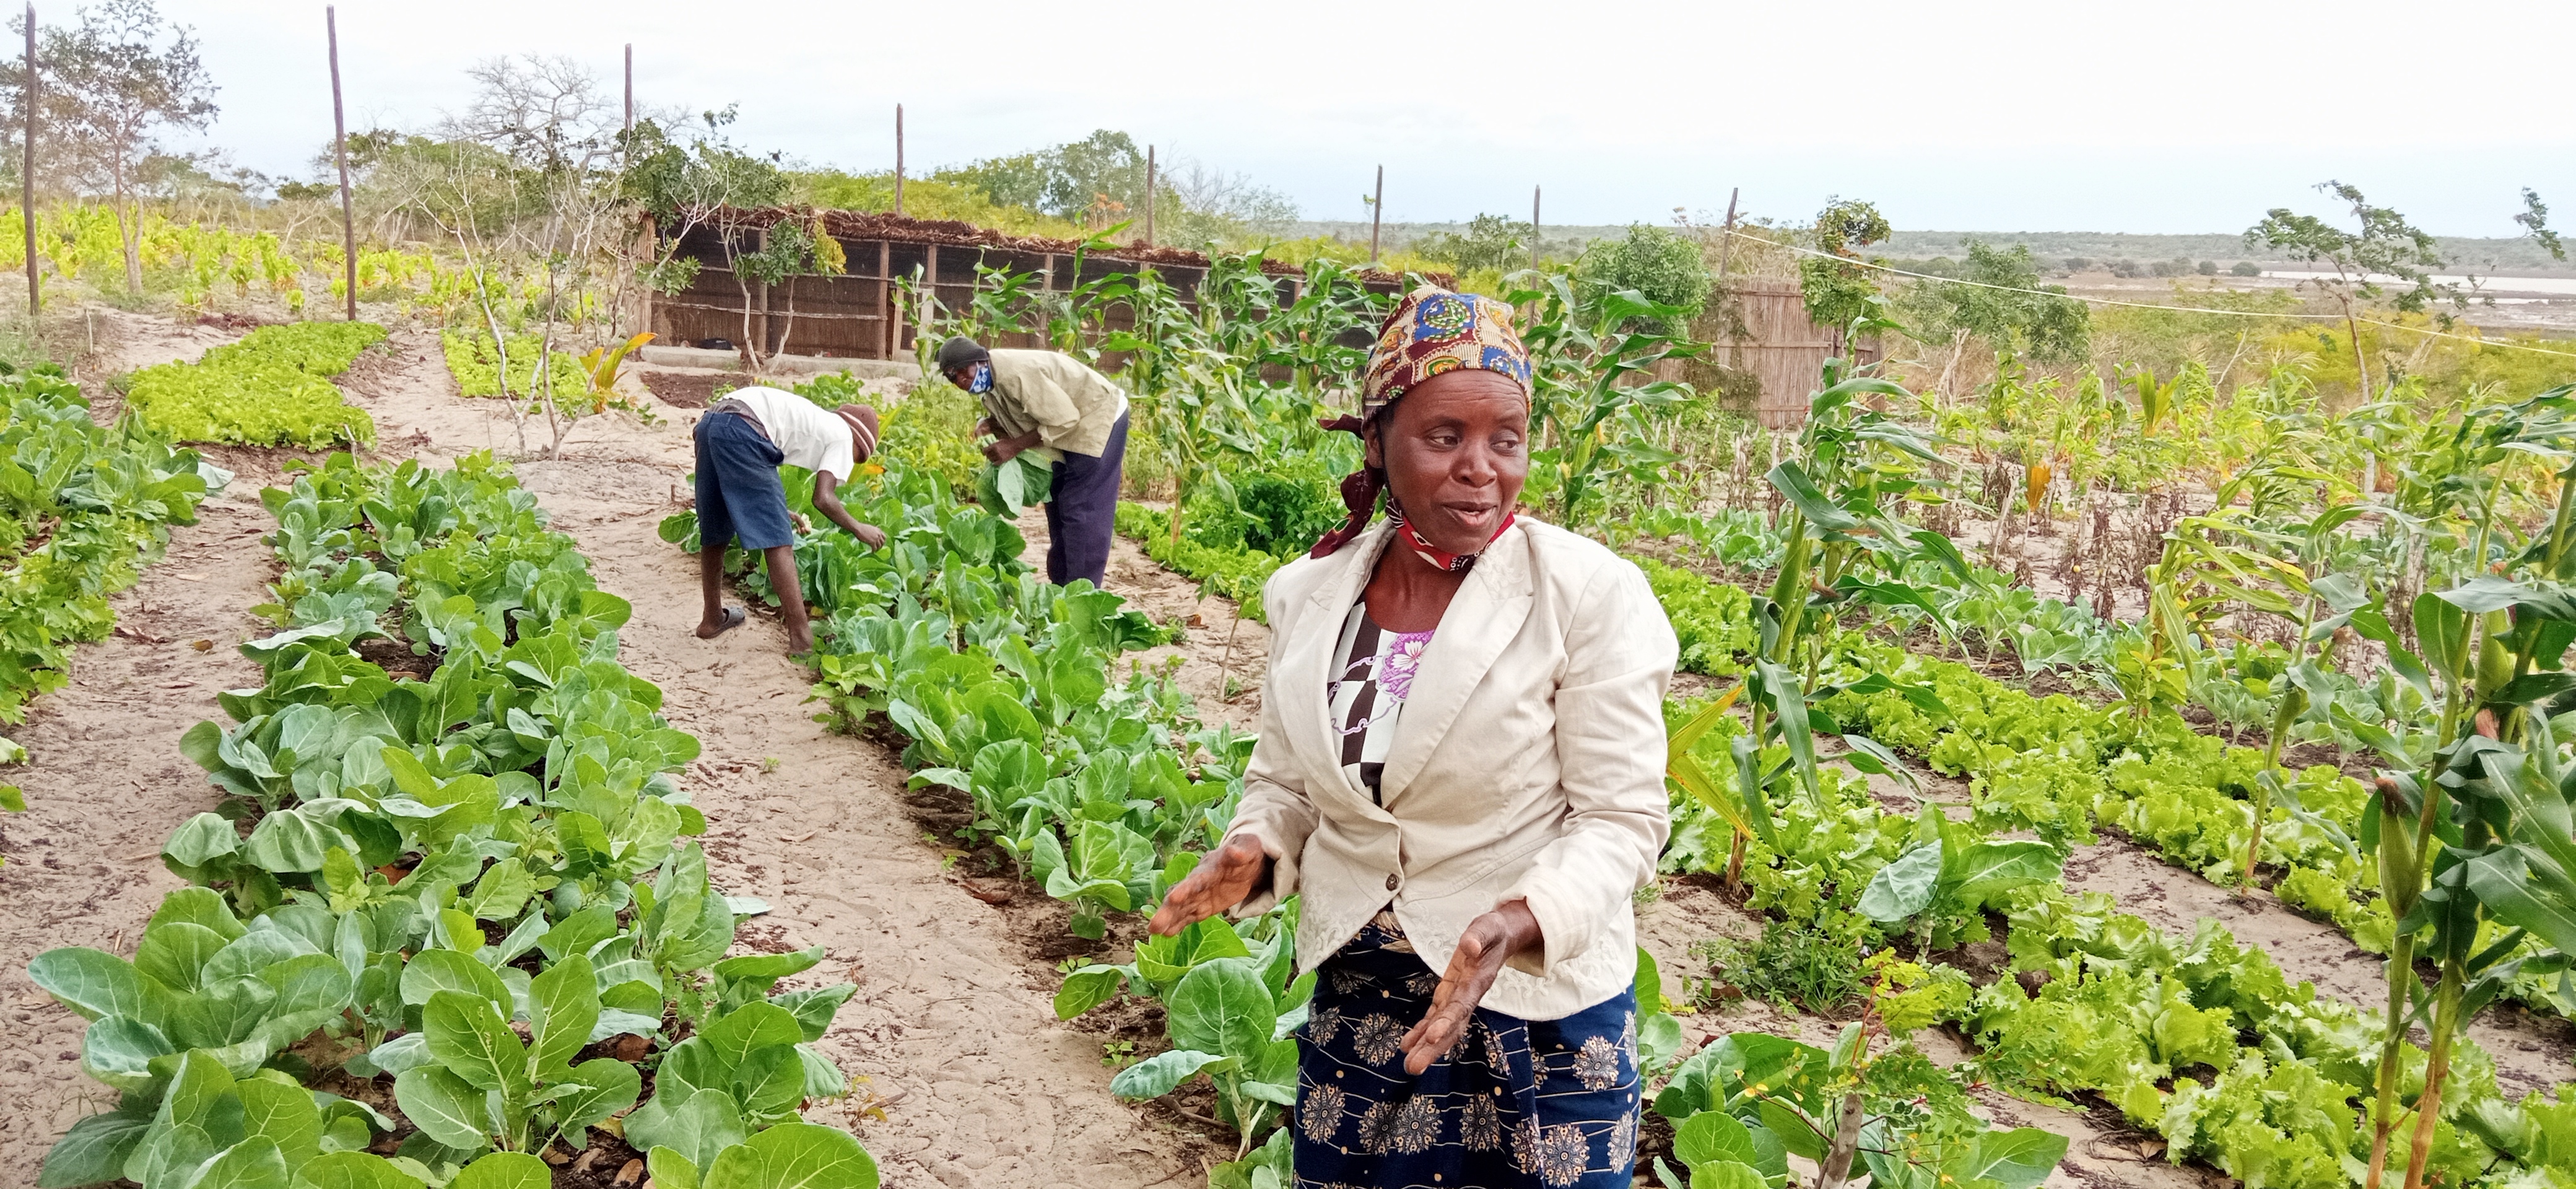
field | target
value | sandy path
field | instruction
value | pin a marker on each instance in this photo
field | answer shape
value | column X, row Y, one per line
column 105, row 786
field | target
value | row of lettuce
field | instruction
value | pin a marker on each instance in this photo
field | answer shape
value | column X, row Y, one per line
column 470, row 879
column 2278, row 1075
column 272, row 387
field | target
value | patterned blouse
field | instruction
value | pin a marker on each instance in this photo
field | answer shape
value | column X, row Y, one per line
column 1368, row 698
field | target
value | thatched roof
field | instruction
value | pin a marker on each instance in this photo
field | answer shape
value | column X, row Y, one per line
column 877, row 225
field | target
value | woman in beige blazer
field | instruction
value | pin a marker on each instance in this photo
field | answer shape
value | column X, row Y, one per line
column 1461, row 773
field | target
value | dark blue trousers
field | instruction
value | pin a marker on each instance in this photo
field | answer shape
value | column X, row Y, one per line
column 1082, row 510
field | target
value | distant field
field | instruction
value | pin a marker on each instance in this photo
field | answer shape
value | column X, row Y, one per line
column 2487, row 256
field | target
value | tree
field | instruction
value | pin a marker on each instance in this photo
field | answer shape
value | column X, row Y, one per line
column 1837, row 289
column 522, row 183
column 707, row 182
column 1660, row 265
column 1490, row 241
column 2535, row 224
column 111, row 85
column 2007, row 306
column 2385, row 246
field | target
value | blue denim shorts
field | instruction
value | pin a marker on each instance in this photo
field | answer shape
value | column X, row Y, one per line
column 739, row 496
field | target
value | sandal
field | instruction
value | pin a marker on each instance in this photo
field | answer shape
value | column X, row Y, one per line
column 732, row 618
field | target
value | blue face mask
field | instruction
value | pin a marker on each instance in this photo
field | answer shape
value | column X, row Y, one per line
column 980, row 381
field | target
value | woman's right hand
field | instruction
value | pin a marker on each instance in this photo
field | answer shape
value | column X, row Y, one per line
column 1220, row 882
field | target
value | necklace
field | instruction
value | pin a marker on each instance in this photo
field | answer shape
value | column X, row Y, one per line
column 1439, row 558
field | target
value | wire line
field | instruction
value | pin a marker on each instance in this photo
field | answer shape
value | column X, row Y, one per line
column 2141, row 305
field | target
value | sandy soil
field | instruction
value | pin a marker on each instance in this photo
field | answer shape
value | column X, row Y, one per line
column 105, row 786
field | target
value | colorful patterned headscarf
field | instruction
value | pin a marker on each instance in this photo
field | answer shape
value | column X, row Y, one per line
column 1430, row 332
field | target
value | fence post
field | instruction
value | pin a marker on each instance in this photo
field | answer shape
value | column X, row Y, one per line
column 898, row 159
column 1725, row 248
column 1377, row 212
column 340, row 151
column 1149, row 196
column 1534, row 228
column 27, row 175
column 630, row 86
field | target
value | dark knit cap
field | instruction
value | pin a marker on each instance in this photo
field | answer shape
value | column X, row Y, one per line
column 961, row 351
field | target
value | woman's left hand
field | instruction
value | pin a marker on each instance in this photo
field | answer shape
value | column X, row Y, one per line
column 1489, row 941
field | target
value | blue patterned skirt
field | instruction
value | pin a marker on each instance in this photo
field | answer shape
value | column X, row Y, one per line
column 1516, row 1104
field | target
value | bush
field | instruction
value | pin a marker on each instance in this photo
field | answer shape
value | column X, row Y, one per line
column 1280, row 511
column 932, row 428
column 1662, row 265
column 1794, row 967
column 2245, row 268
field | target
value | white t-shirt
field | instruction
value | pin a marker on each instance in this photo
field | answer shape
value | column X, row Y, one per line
column 810, row 435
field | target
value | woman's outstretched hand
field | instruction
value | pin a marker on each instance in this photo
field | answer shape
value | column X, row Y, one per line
column 1489, row 941
column 1220, row 882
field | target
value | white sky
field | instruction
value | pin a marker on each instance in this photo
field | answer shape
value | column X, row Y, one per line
column 2176, row 116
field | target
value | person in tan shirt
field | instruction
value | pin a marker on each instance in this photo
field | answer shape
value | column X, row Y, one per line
column 1460, row 772
column 1049, row 404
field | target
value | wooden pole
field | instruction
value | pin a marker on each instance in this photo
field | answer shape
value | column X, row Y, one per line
column 1149, row 196
column 1534, row 228
column 340, row 151
column 630, row 86
column 1725, row 248
column 898, row 158
column 1377, row 213
column 27, row 174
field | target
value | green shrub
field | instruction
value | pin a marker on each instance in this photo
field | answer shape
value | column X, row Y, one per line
column 931, row 429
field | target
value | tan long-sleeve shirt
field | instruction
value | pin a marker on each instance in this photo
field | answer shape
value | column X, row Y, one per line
column 1071, row 407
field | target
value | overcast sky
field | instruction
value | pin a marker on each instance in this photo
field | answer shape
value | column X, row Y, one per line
column 2176, row 116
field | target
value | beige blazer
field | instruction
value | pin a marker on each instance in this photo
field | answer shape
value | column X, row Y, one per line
column 1529, row 764
column 1071, row 407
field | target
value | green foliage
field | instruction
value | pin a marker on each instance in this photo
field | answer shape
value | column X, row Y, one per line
column 1802, row 967
column 523, row 791
column 1236, row 574
column 1498, row 243
column 1713, row 620
column 272, row 388
column 1659, row 264
column 2381, row 243
column 82, row 509
column 476, row 363
column 1836, row 288
column 2049, row 329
